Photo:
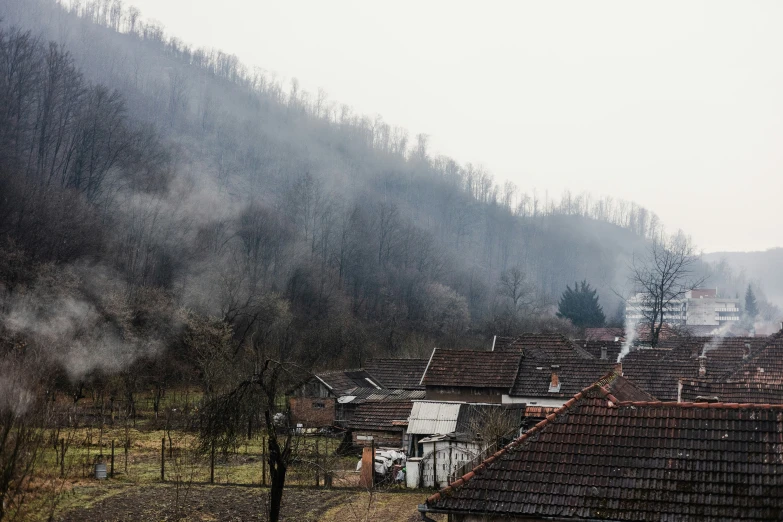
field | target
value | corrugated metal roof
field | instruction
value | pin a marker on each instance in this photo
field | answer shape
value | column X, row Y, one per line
column 431, row 417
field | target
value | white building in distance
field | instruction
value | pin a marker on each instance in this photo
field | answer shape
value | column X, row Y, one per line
column 699, row 307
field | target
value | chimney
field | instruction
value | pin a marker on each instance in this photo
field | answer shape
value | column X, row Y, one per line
column 554, row 383
column 695, row 351
column 603, row 353
column 746, row 351
column 616, row 339
column 702, row 365
column 618, row 369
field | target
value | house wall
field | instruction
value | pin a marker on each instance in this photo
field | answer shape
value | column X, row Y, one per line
column 465, row 394
column 535, row 401
column 312, row 412
column 446, row 456
column 389, row 439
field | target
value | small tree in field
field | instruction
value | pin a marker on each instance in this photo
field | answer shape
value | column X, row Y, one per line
column 580, row 305
column 226, row 416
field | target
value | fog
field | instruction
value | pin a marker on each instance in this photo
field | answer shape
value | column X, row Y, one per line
column 672, row 105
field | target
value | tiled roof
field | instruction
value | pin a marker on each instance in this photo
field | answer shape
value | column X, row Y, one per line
column 400, row 374
column 468, row 368
column 534, row 377
column 546, row 346
column 624, row 389
column 343, row 381
column 765, row 367
column 699, row 390
column 598, row 458
column 357, row 395
column 381, row 416
column 594, row 348
column 658, row 370
column 604, row 334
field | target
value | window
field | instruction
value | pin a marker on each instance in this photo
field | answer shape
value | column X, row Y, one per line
column 319, row 405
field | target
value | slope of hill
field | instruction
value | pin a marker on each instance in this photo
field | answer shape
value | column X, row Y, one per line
column 311, row 231
column 760, row 267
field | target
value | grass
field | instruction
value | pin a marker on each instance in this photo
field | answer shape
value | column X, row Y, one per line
column 78, row 491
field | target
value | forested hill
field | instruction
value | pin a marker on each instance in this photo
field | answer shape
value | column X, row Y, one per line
column 761, row 267
column 150, row 189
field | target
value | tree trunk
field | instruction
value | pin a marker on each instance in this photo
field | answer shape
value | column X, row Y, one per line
column 277, row 471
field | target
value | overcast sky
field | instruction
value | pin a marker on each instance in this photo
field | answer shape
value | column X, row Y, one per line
column 675, row 105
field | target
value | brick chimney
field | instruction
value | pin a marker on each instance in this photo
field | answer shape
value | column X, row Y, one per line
column 618, row 369
column 603, row 353
column 702, row 365
column 554, row 383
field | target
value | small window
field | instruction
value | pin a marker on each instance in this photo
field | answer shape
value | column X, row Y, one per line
column 319, row 405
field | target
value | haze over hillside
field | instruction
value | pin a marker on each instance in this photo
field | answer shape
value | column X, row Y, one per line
column 762, row 267
column 135, row 163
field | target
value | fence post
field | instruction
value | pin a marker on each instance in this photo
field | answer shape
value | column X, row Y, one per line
column 317, row 478
column 163, row 459
column 212, row 464
column 126, row 456
column 111, row 475
column 62, row 458
column 372, row 464
column 263, row 460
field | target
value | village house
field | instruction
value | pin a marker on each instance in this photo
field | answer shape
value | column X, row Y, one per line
column 602, row 457
column 381, row 423
column 469, row 375
column 329, row 399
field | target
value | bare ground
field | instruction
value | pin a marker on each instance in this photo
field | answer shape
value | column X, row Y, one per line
column 235, row 503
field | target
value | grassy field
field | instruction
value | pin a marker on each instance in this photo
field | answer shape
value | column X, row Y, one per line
column 64, row 489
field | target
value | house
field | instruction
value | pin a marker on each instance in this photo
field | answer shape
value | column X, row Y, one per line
column 605, row 334
column 703, row 390
column 758, row 379
column 315, row 404
column 470, row 376
column 659, row 370
column 445, row 435
column 330, row 398
column 602, row 458
column 381, row 423
column 398, row 374
column 552, row 383
column 602, row 350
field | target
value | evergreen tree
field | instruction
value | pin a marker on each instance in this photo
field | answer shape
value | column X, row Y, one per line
column 580, row 305
column 751, row 306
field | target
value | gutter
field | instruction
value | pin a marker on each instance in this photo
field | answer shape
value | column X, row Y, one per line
column 424, row 509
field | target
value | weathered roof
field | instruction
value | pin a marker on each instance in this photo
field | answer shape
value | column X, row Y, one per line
column 341, row 382
column 604, row 334
column 595, row 348
column 766, row 366
column 468, row 368
column 600, row 458
column 658, row 371
column 400, row 374
column 381, row 416
column 358, row 395
column 545, row 346
column 430, row 417
column 534, row 377
column 624, row 389
column 700, row 390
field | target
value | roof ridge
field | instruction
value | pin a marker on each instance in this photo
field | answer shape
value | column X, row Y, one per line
column 684, row 405
column 513, row 444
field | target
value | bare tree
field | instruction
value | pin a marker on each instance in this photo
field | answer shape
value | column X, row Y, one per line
column 226, row 416
column 663, row 276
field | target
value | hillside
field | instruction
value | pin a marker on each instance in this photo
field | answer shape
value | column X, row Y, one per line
column 162, row 189
column 760, row 267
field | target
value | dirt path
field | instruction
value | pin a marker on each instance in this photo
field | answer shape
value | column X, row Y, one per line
column 236, row 503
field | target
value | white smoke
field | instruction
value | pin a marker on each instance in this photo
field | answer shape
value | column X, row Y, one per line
column 71, row 330
column 630, row 337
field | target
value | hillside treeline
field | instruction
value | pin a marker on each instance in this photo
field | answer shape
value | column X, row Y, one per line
column 165, row 203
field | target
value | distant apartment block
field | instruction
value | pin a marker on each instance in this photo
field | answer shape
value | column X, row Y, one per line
column 699, row 307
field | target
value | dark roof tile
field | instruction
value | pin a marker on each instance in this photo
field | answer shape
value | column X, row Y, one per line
column 468, row 368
